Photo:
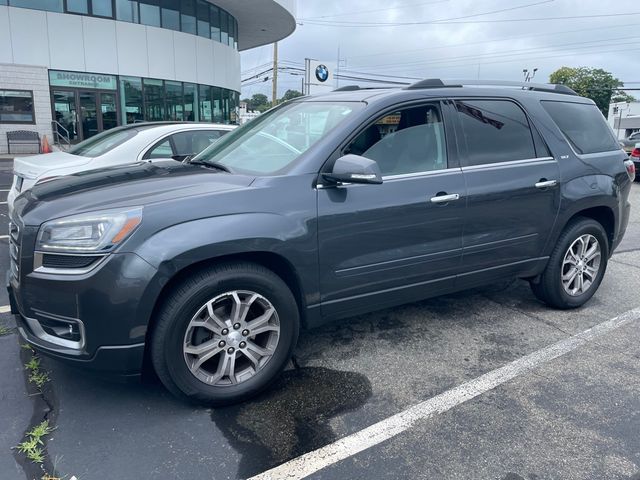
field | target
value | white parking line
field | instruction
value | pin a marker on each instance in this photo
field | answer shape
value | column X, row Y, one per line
column 5, row 309
column 346, row 447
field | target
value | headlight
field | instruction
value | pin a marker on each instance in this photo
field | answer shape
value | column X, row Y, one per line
column 93, row 232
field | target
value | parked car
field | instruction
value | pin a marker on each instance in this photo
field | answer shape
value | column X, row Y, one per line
column 121, row 145
column 323, row 208
column 629, row 143
column 634, row 156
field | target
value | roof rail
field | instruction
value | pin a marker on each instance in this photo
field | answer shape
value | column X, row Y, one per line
column 347, row 88
column 537, row 87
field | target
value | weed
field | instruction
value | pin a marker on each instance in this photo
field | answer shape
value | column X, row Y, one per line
column 26, row 346
column 4, row 330
column 32, row 445
column 37, row 376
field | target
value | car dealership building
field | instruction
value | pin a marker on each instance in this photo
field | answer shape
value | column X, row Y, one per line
column 84, row 66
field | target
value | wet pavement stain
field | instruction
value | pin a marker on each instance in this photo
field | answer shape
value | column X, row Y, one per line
column 292, row 418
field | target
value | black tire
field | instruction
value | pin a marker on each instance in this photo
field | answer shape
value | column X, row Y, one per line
column 183, row 303
column 549, row 288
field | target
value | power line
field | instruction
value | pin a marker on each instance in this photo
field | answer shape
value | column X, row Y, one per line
column 453, row 45
column 453, row 22
column 377, row 10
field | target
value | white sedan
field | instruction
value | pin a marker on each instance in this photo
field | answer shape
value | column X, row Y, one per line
column 127, row 144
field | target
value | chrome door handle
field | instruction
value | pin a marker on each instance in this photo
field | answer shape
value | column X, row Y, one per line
column 546, row 184
column 445, row 198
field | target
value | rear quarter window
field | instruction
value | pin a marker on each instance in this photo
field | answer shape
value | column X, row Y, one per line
column 583, row 125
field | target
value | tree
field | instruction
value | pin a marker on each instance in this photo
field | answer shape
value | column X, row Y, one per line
column 594, row 83
column 621, row 96
column 289, row 95
column 258, row 102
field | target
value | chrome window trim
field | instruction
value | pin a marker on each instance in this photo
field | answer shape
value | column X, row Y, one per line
column 38, row 258
column 514, row 163
column 403, row 176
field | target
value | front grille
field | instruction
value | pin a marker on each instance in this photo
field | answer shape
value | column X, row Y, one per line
column 14, row 251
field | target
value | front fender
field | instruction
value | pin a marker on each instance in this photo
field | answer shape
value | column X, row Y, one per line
column 180, row 246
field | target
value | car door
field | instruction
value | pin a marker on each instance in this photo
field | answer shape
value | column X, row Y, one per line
column 386, row 244
column 513, row 193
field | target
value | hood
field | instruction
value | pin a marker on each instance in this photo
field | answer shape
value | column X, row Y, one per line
column 137, row 184
column 34, row 166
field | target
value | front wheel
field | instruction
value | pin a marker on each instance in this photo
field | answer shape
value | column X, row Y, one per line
column 576, row 266
column 224, row 334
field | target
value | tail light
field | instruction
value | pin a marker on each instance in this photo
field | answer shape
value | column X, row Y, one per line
column 631, row 169
column 636, row 153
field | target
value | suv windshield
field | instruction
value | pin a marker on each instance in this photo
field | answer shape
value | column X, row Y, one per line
column 276, row 139
column 102, row 143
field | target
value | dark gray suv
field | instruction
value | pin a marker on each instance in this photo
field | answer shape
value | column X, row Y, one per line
column 322, row 208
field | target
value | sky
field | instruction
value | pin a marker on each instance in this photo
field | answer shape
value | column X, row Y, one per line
column 455, row 39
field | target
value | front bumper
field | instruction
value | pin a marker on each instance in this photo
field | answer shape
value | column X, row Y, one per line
column 111, row 307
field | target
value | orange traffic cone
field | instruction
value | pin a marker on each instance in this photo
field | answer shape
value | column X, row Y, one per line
column 46, row 148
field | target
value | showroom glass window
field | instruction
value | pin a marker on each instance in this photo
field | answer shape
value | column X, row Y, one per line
column 171, row 14
column 495, row 131
column 204, row 96
column 127, row 10
column 188, row 16
column 154, row 100
column 16, row 106
column 191, row 102
column 217, row 105
column 78, row 6
column 174, row 100
column 215, row 23
column 131, row 104
column 204, row 29
column 48, row 5
column 150, row 13
column 224, row 27
column 102, row 8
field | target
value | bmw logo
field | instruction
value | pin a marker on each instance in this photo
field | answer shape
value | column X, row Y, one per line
column 322, row 73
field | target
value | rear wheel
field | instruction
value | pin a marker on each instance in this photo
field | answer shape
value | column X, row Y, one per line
column 225, row 333
column 576, row 266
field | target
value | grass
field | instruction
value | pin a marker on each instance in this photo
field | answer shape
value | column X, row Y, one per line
column 33, row 444
column 4, row 330
column 37, row 376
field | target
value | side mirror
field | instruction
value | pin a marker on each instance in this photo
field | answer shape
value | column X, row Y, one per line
column 354, row 169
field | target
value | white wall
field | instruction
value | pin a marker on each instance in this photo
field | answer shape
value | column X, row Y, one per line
column 631, row 109
column 87, row 44
column 21, row 77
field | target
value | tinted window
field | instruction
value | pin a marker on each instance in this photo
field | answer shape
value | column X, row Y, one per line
column 78, row 6
column 50, row 5
column 102, row 8
column 495, row 131
column 171, row 14
column 127, row 10
column 188, row 16
column 102, row 143
column 583, row 125
column 190, row 143
column 408, row 141
column 150, row 13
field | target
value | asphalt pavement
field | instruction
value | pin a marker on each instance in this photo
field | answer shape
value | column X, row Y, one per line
column 573, row 413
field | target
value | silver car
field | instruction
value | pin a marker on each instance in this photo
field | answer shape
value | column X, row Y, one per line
column 629, row 143
column 118, row 146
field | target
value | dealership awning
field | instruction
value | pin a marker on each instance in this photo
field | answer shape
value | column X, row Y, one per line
column 261, row 22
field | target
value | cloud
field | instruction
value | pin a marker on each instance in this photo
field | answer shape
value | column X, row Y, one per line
column 482, row 46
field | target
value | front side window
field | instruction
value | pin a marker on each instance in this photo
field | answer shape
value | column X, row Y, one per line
column 275, row 140
column 583, row 125
column 102, row 143
column 495, row 131
column 16, row 106
column 193, row 142
column 407, row 141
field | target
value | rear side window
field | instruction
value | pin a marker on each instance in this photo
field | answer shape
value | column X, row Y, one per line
column 495, row 131
column 583, row 125
column 102, row 143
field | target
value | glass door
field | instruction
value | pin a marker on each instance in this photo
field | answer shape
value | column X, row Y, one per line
column 66, row 114
column 88, row 102
column 108, row 111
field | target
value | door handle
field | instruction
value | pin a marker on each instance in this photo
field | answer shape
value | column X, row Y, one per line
column 445, row 198
column 542, row 184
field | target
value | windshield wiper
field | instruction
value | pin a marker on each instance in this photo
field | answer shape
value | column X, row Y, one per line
column 219, row 166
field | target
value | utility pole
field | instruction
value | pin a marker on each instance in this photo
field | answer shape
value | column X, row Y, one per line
column 274, row 94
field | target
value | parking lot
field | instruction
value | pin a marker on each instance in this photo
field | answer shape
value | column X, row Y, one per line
column 570, row 412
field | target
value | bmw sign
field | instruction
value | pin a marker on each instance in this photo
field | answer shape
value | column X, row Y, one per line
column 322, row 73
